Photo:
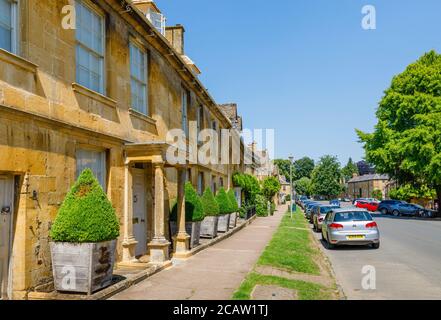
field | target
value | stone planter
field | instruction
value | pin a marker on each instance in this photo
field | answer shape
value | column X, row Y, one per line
column 233, row 220
column 209, row 227
column 82, row 267
column 193, row 229
column 224, row 223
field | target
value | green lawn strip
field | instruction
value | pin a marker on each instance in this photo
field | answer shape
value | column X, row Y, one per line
column 305, row 290
column 291, row 248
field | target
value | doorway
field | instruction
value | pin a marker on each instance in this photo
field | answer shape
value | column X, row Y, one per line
column 139, row 211
column 6, row 210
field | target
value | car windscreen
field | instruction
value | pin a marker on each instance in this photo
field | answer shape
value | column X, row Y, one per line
column 325, row 210
column 352, row 216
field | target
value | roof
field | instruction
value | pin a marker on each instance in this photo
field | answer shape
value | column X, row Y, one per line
column 369, row 177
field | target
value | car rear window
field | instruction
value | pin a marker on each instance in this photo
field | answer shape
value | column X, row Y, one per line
column 352, row 216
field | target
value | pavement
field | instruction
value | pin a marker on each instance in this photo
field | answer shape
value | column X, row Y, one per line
column 407, row 265
column 212, row 274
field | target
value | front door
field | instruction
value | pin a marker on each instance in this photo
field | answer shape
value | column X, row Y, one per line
column 6, row 209
column 139, row 211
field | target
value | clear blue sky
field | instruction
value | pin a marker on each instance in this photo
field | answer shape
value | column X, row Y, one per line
column 305, row 67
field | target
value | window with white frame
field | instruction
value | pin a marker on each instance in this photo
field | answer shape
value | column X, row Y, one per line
column 89, row 47
column 138, row 73
column 95, row 161
column 158, row 21
column 8, row 25
column 184, row 111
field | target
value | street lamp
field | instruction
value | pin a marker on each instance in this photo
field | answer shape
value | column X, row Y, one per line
column 291, row 158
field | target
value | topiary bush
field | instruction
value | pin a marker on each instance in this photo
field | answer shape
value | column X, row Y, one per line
column 86, row 214
column 209, row 204
column 223, row 201
column 194, row 211
column 233, row 201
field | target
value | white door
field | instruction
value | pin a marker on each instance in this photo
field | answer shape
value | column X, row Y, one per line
column 139, row 211
column 6, row 209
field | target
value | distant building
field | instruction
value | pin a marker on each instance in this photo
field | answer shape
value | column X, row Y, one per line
column 365, row 168
column 363, row 186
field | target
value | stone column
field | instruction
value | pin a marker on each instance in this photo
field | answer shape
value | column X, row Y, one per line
column 181, row 239
column 129, row 241
column 159, row 245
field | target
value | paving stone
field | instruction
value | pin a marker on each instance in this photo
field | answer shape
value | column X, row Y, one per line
column 266, row 292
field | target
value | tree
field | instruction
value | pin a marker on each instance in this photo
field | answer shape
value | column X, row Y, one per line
column 349, row 170
column 283, row 166
column 303, row 186
column 303, row 168
column 224, row 202
column 326, row 177
column 270, row 187
column 209, row 204
column 249, row 185
column 406, row 141
column 194, row 210
column 377, row 194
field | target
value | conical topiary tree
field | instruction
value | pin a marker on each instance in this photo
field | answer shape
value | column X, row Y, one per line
column 194, row 211
column 86, row 214
column 211, row 208
column 233, row 201
column 223, row 201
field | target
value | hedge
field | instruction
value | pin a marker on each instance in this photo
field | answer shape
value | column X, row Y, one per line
column 223, row 201
column 86, row 214
column 209, row 204
column 194, row 211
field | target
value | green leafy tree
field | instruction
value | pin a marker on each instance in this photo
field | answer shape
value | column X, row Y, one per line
column 349, row 170
column 86, row 214
column 326, row 177
column 408, row 192
column 406, row 141
column 194, row 210
column 283, row 166
column 303, row 186
column 377, row 194
column 303, row 168
column 249, row 185
column 209, row 203
column 261, row 206
column 270, row 187
column 233, row 201
column 223, row 201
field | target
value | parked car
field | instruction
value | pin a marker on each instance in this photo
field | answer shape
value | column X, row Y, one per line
column 370, row 206
column 388, row 206
column 335, row 202
column 303, row 204
column 407, row 209
column 308, row 209
column 365, row 199
column 350, row 226
column 319, row 215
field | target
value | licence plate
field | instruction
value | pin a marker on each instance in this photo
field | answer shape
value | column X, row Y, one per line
column 355, row 237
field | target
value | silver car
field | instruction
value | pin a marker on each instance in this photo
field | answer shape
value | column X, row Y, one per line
column 350, row 226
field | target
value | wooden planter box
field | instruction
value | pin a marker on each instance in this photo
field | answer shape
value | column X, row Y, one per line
column 224, row 223
column 193, row 229
column 233, row 220
column 82, row 267
column 209, row 227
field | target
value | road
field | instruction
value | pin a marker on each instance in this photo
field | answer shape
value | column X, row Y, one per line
column 407, row 265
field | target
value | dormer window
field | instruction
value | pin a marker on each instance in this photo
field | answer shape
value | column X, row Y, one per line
column 158, row 20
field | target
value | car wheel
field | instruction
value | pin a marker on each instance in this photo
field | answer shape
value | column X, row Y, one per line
column 396, row 213
column 376, row 245
column 384, row 211
column 330, row 245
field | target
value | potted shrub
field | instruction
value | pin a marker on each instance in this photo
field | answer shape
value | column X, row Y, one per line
column 84, row 238
column 194, row 214
column 234, row 208
column 224, row 210
column 211, row 212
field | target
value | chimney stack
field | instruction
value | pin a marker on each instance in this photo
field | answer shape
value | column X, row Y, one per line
column 175, row 35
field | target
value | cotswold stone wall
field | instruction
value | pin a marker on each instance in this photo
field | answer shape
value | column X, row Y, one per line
column 45, row 117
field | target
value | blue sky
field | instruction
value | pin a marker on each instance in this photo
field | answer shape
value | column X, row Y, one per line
column 305, row 67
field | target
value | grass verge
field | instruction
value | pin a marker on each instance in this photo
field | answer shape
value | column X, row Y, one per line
column 290, row 247
column 305, row 290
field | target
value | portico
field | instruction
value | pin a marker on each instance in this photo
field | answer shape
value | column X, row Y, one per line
column 152, row 154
